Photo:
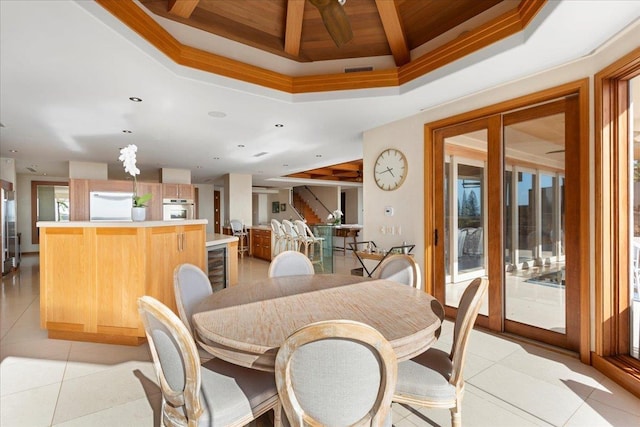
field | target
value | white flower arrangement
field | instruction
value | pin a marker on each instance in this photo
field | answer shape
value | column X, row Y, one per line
column 335, row 217
column 128, row 159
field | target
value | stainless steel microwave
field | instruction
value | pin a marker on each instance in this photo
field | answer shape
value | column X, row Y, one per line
column 177, row 209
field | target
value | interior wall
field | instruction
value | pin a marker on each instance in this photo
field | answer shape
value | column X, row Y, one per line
column 205, row 204
column 238, row 198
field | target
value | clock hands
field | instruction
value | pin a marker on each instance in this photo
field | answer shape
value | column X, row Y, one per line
column 387, row 170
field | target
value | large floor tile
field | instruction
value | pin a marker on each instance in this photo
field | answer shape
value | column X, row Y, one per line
column 550, row 403
column 19, row 373
column 31, row 408
column 613, row 395
column 557, row 369
column 476, row 411
column 490, row 346
column 89, row 358
column 103, row 390
column 595, row 414
column 144, row 412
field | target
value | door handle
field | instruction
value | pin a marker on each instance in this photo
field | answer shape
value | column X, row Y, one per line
column 435, row 237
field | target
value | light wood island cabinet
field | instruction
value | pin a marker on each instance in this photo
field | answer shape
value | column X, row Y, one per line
column 91, row 274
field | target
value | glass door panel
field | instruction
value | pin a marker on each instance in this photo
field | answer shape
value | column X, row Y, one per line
column 464, row 185
column 534, row 212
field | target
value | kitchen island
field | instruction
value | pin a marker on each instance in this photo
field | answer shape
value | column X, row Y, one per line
column 92, row 273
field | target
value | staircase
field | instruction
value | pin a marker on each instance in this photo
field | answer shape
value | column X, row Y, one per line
column 305, row 210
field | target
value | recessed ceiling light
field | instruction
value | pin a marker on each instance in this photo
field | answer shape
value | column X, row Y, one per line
column 13, row 151
column 285, row 165
column 198, row 167
column 279, row 125
column 217, row 114
column 216, row 158
column 135, row 99
column 240, row 145
column 318, row 155
column 126, row 131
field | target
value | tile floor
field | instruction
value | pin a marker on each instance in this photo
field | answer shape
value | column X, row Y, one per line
column 62, row 383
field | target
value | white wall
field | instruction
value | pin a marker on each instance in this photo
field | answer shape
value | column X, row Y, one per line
column 237, row 198
column 8, row 170
column 205, row 204
column 88, row 170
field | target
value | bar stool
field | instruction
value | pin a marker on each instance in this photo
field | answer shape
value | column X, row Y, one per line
column 237, row 228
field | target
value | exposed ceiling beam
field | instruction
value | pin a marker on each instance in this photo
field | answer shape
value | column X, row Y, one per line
column 293, row 28
column 393, row 29
column 182, row 8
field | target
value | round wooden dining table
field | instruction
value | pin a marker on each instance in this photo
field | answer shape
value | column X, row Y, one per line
column 246, row 324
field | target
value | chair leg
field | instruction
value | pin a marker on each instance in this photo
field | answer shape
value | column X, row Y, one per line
column 456, row 416
column 277, row 416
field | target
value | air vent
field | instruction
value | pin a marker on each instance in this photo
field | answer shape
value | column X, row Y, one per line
column 358, row 69
column 260, row 154
column 32, row 170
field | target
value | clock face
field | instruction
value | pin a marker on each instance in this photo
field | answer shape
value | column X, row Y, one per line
column 390, row 169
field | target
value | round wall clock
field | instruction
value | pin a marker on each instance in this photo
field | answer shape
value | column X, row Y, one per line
column 390, row 169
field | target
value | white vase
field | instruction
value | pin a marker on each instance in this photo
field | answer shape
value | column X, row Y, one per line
column 138, row 213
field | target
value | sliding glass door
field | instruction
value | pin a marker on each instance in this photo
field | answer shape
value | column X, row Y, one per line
column 500, row 198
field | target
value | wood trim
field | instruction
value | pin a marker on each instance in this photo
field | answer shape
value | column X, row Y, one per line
column 499, row 28
column 495, row 205
column 612, row 241
column 436, row 131
column 432, row 158
column 388, row 11
column 293, row 32
column 622, row 370
column 182, row 8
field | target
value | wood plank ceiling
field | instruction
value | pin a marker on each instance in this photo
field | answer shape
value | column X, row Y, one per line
column 294, row 28
column 420, row 35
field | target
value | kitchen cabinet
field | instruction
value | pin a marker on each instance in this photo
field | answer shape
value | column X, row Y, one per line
column 261, row 243
column 178, row 191
column 92, row 275
column 172, row 246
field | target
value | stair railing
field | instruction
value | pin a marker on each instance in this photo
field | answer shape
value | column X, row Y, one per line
column 308, row 196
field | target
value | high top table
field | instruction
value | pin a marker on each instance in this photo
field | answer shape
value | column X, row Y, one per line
column 247, row 324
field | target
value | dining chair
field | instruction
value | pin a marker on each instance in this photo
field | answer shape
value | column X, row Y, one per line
column 434, row 378
column 309, row 240
column 190, row 286
column 290, row 263
column 216, row 393
column 400, row 268
column 238, row 230
column 279, row 238
column 291, row 235
column 336, row 373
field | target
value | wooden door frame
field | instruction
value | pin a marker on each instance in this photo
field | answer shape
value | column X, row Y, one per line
column 577, row 177
column 612, row 241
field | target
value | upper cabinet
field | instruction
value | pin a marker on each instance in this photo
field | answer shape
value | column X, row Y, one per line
column 178, row 191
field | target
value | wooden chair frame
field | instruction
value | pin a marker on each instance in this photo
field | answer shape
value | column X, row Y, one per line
column 343, row 329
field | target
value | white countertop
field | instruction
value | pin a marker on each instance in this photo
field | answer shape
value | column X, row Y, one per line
column 119, row 224
column 219, row 239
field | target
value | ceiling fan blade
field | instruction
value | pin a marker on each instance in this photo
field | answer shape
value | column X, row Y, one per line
column 335, row 20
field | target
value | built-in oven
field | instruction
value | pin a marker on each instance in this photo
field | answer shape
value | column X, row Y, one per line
column 176, row 209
